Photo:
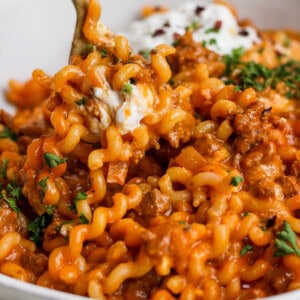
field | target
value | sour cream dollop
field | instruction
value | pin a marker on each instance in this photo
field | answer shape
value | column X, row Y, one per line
column 211, row 24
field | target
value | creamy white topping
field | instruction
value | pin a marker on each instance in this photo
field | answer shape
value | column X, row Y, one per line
column 212, row 24
column 127, row 110
column 137, row 105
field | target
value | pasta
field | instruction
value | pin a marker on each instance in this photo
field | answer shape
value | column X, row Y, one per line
column 171, row 175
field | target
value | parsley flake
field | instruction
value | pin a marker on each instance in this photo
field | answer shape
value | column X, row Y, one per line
column 11, row 195
column 83, row 219
column 103, row 52
column 3, row 168
column 81, row 195
column 146, row 54
column 247, row 248
column 126, row 89
column 80, row 102
column 8, row 134
column 236, row 180
column 43, row 184
column 286, row 241
column 37, row 226
column 53, row 160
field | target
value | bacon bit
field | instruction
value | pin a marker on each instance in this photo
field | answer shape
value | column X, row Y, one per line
column 218, row 25
column 198, row 10
column 117, row 172
column 158, row 32
column 167, row 24
column 243, row 32
column 176, row 36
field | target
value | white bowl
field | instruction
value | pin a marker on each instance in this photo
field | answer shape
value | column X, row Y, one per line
column 38, row 34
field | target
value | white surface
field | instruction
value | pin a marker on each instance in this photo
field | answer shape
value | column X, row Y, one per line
column 37, row 34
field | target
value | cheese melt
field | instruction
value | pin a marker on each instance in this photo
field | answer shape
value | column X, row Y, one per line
column 201, row 17
column 126, row 110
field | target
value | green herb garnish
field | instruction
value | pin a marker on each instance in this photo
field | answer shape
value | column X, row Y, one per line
column 81, row 195
column 90, row 48
column 286, row 43
column 286, row 241
column 211, row 30
column 80, row 102
column 236, row 180
column 251, row 74
column 83, row 219
column 11, row 195
column 232, row 61
column 8, row 134
column 37, row 226
column 212, row 42
column 247, row 248
column 103, row 52
column 53, row 160
column 3, row 168
column 43, row 185
column 146, row 54
column 126, row 89
column 50, row 209
column 193, row 26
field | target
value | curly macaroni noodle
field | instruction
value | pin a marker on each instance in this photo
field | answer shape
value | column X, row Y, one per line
column 126, row 176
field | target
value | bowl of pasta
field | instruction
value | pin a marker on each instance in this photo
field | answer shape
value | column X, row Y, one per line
column 149, row 149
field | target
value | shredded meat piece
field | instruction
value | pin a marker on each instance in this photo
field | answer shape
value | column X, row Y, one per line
column 155, row 203
column 290, row 186
column 8, row 219
column 36, row 262
column 189, row 53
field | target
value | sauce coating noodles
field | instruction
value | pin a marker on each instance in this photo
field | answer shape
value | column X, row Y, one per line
column 172, row 174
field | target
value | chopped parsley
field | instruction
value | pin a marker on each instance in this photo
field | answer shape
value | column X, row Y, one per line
column 246, row 213
column 53, row 160
column 237, row 88
column 81, row 195
column 176, row 43
column 43, row 185
column 212, row 30
column 212, row 42
column 80, row 102
column 126, row 89
column 251, row 74
column 193, row 26
column 83, row 219
column 232, row 61
column 247, row 248
column 286, row 43
column 3, row 168
column 90, row 48
column 11, row 195
column 146, row 54
column 103, row 52
column 286, row 241
column 8, row 134
column 236, row 180
column 50, row 209
column 37, row 226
